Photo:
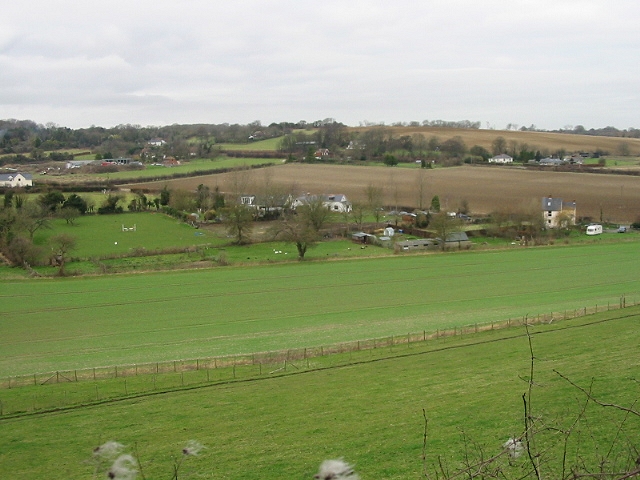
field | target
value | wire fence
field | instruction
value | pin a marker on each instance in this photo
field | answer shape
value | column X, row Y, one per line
column 276, row 361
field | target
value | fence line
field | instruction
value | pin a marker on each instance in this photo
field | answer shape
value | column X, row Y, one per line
column 289, row 356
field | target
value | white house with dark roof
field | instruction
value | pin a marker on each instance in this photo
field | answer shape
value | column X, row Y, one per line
column 16, row 180
column 333, row 202
column 556, row 211
column 156, row 142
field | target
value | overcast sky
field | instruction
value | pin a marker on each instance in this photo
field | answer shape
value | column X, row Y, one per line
column 551, row 63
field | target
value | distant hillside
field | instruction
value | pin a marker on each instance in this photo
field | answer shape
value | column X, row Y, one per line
column 535, row 140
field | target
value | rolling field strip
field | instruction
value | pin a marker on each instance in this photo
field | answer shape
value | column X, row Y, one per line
column 133, row 318
column 369, row 411
column 318, row 281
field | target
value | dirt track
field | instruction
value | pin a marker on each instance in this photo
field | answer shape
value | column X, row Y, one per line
column 485, row 189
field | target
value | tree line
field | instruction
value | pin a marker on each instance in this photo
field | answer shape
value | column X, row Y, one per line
column 24, row 141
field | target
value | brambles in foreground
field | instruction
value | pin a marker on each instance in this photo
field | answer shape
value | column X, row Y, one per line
column 571, row 447
column 336, row 470
column 110, row 460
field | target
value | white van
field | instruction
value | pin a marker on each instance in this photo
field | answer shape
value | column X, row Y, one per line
column 594, row 229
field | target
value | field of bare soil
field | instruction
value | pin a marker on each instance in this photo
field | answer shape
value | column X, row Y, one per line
column 614, row 198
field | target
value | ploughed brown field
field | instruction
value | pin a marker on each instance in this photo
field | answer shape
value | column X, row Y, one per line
column 614, row 198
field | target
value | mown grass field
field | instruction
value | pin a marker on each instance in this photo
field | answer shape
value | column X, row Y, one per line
column 270, row 144
column 102, row 235
column 369, row 412
column 79, row 323
column 156, row 171
column 163, row 242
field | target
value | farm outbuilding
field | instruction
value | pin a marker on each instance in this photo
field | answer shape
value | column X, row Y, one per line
column 458, row 241
column 417, row 244
column 362, row 237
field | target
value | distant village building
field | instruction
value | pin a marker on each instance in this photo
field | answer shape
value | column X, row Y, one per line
column 16, row 180
column 321, row 152
column 551, row 162
column 558, row 213
column 266, row 205
column 80, row 163
column 334, row 202
column 575, row 159
column 156, row 142
column 115, row 161
column 502, row 158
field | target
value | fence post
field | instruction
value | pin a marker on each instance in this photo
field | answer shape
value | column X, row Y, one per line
column 35, row 382
column 116, row 371
column 75, row 374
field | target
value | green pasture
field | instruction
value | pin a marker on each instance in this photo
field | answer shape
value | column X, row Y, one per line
column 158, row 172
column 270, row 145
column 74, row 323
column 101, row 238
column 103, row 235
column 369, row 412
column 614, row 161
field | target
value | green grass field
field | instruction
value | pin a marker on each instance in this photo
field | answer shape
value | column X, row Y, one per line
column 369, row 412
column 155, row 172
column 270, row 144
column 85, row 322
column 102, row 235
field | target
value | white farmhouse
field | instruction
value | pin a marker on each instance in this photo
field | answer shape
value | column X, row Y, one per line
column 557, row 212
column 502, row 158
column 16, row 180
column 333, row 202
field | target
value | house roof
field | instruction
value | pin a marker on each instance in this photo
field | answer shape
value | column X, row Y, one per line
column 338, row 197
column 551, row 161
column 556, row 204
column 457, row 237
column 8, row 177
column 417, row 242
